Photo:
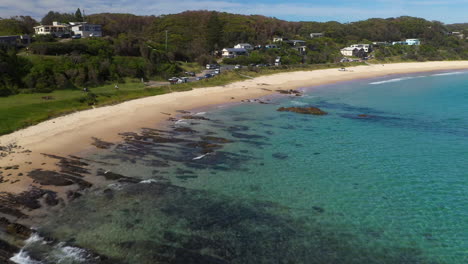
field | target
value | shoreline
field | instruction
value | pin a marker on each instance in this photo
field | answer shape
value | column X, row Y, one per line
column 73, row 133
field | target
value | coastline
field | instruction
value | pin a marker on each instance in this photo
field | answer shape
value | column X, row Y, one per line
column 65, row 139
column 73, row 133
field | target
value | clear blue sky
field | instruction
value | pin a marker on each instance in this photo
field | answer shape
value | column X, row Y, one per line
column 453, row 11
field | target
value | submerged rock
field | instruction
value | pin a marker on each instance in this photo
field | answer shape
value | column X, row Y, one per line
column 216, row 139
column 303, row 110
column 7, row 251
column 49, row 178
column 290, row 91
column 112, row 176
column 194, row 117
column 98, row 143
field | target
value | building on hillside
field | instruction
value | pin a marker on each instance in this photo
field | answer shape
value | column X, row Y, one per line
column 234, row 52
column 399, row 43
column 457, row 34
column 56, row 29
column 353, row 52
column 296, row 42
column 413, row 42
column 300, row 49
column 381, row 44
column 86, row 30
column 18, row 40
column 410, row 42
column 279, row 39
column 316, row 35
column 246, row 46
column 367, row 47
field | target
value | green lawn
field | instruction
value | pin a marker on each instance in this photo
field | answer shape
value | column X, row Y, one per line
column 22, row 110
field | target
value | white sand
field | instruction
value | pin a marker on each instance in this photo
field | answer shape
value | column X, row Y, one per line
column 72, row 133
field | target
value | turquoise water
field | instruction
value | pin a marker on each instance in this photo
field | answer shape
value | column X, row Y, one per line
column 387, row 187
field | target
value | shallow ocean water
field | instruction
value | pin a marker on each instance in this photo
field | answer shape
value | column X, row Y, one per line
column 383, row 178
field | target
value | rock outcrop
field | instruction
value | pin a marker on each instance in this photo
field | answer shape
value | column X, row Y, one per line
column 310, row 110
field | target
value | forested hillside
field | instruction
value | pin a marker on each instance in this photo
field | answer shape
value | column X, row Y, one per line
column 149, row 46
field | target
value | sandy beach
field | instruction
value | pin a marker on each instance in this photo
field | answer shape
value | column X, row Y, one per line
column 73, row 133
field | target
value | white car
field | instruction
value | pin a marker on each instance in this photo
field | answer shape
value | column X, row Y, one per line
column 238, row 67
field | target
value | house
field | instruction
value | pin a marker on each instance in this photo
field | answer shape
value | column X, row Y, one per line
column 246, row 46
column 353, row 52
column 410, row 42
column 316, row 35
column 399, row 43
column 85, row 29
column 366, row 47
column 279, row 39
column 9, row 40
column 457, row 34
column 301, row 49
column 413, row 42
column 16, row 40
column 234, row 52
column 380, row 44
column 56, row 29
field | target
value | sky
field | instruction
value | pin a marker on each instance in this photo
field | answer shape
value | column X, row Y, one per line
column 451, row 11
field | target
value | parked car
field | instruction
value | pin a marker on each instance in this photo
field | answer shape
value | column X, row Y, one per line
column 208, row 75
column 173, row 80
column 190, row 73
column 212, row 66
column 217, row 71
column 199, row 78
column 183, row 80
column 238, row 67
column 77, row 36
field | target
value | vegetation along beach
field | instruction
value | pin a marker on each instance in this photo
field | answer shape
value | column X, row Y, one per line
column 216, row 137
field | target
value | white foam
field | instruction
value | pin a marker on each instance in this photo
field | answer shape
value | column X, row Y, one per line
column 199, row 157
column 181, row 122
column 447, row 73
column 65, row 254
column 200, row 113
column 115, row 186
column 34, row 238
column 149, row 181
column 23, row 257
column 392, row 80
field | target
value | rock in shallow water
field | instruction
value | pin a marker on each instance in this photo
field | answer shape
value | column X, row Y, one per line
column 303, row 110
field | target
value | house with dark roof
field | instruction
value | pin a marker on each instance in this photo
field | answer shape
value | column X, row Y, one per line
column 234, row 52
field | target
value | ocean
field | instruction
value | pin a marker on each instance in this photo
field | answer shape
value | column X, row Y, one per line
column 382, row 178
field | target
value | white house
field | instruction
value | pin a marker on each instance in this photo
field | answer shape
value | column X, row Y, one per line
column 410, row 42
column 234, row 52
column 246, row 46
column 85, row 29
column 413, row 42
column 366, row 47
column 56, row 29
column 353, row 51
column 348, row 51
column 316, row 35
column 279, row 39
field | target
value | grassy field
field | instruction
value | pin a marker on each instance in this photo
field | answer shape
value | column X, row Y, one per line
column 22, row 110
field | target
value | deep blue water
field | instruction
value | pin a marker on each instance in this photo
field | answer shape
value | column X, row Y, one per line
column 383, row 178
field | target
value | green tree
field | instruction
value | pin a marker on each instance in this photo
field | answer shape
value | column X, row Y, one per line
column 78, row 16
column 214, row 32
